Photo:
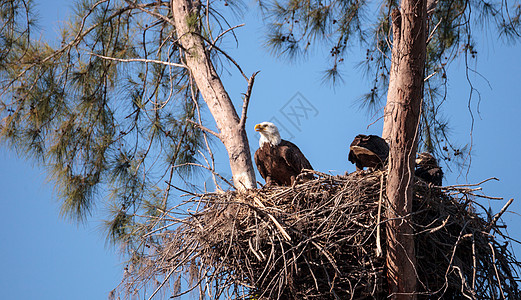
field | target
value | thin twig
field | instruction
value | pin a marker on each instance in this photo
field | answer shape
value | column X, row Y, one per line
column 379, row 215
column 498, row 215
column 433, row 31
column 242, row 122
column 474, row 184
column 166, row 63
column 277, row 224
column 226, row 55
column 163, row 283
column 223, row 33
column 205, row 128
column 429, row 77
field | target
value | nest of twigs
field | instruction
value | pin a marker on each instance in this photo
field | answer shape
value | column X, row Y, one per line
column 320, row 240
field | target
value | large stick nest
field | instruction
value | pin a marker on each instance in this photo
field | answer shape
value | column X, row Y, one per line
column 319, row 240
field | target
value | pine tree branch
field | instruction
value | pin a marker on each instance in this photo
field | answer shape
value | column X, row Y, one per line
column 223, row 53
column 163, row 283
column 152, row 13
column 205, row 128
column 140, row 60
column 242, row 122
column 498, row 215
column 429, row 77
column 431, row 35
column 207, row 168
column 80, row 35
column 223, row 33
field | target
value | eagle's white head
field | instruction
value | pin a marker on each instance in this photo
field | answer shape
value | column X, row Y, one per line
column 269, row 133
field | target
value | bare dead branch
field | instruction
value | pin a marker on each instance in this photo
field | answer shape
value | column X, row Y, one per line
column 379, row 251
column 205, row 128
column 222, row 34
column 246, row 101
column 166, row 63
column 498, row 215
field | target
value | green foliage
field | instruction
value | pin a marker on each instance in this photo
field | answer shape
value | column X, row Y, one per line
column 111, row 130
column 294, row 26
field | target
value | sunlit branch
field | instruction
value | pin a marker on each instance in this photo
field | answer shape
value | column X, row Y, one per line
column 222, row 34
column 154, row 14
column 166, row 63
column 204, row 128
column 227, row 56
column 242, row 122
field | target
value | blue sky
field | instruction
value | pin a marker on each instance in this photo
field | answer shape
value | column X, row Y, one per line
column 43, row 256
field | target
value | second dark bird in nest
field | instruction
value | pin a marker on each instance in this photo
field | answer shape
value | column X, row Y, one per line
column 278, row 161
column 427, row 169
column 368, row 151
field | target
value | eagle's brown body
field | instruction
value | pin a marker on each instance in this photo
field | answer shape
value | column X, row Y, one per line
column 427, row 169
column 280, row 164
column 368, row 151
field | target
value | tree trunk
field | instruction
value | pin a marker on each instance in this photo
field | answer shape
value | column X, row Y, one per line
column 231, row 132
column 401, row 120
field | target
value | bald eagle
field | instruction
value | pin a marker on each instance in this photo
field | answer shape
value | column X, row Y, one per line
column 368, row 151
column 278, row 161
column 427, row 169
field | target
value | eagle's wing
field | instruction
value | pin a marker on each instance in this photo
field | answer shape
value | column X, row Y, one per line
column 294, row 157
column 351, row 157
column 432, row 175
column 381, row 148
column 437, row 176
column 260, row 164
column 355, row 144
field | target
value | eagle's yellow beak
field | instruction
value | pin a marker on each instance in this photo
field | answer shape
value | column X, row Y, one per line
column 259, row 127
